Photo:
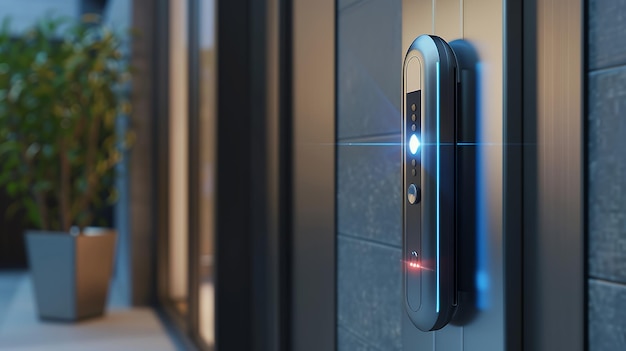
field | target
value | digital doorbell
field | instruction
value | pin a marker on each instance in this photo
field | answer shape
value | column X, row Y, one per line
column 430, row 104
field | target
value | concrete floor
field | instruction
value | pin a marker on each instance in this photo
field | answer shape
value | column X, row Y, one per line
column 121, row 329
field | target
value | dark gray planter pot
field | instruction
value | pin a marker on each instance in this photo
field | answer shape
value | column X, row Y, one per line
column 71, row 273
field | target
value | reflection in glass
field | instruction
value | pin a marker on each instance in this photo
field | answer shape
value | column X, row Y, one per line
column 207, row 99
column 178, row 157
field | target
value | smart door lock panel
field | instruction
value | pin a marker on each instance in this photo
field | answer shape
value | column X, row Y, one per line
column 429, row 182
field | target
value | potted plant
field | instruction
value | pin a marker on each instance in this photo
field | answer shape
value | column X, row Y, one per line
column 59, row 100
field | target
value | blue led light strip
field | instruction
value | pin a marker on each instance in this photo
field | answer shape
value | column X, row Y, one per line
column 438, row 154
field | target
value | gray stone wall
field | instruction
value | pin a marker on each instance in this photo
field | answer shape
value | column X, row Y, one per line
column 607, row 174
column 369, row 235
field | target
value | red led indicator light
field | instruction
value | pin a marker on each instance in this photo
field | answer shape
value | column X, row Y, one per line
column 414, row 265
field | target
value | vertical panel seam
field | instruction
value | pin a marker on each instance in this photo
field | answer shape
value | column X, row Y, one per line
column 462, row 331
column 461, row 12
column 433, row 15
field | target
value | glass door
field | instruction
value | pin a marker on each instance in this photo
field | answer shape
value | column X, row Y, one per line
column 186, row 245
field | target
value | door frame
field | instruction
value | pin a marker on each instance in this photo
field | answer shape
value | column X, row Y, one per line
column 554, row 270
column 275, row 270
column 314, row 225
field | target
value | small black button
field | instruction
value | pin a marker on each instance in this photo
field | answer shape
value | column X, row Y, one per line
column 413, row 162
column 413, row 107
column 413, row 127
column 413, row 172
column 413, row 117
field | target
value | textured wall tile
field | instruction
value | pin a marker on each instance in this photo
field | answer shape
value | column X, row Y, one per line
column 607, row 175
column 607, row 320
column 347, row 340
column 369, row 292
column 607, row 33
column 369, row 68
column 368, row 190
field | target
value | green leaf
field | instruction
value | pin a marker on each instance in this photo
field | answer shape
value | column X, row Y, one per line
column 15, row 91
column 32, row 212
column 32, row 150
column 13, row 188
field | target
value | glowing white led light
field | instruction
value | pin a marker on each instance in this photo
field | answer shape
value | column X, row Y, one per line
column 414, row 144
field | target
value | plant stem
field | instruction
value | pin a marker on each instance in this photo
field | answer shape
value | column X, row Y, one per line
column 42, row 208
column 39, row 196
column 91, row 174
column 64, row 191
